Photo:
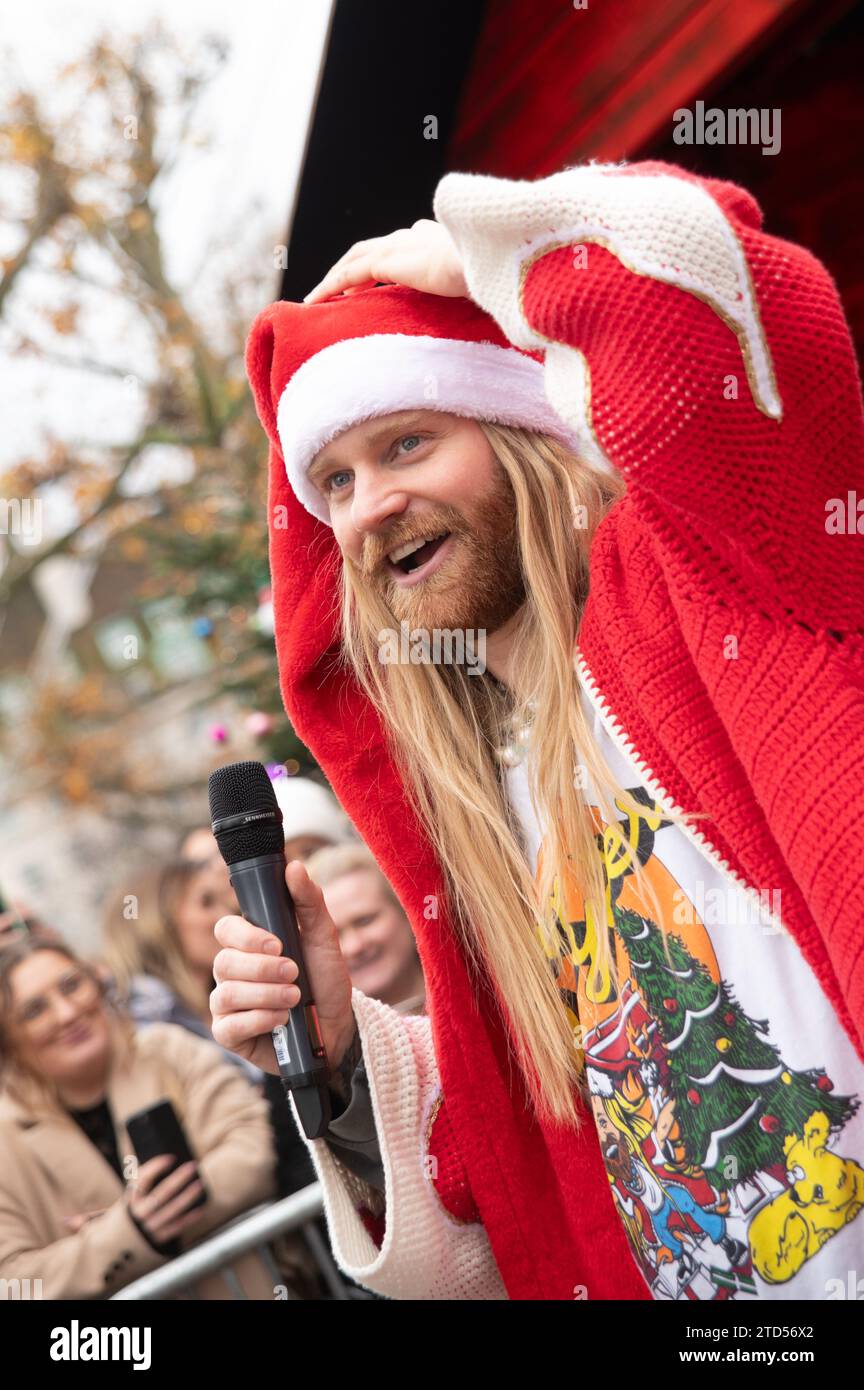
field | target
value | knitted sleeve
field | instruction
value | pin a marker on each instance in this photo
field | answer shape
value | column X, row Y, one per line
column 711, row 365
column 706, row 360
column 423, row 1239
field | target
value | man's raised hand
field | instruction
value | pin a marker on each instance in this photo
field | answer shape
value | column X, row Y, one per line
column 422, row 256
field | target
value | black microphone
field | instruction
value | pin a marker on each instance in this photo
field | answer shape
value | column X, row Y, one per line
column 247, row 824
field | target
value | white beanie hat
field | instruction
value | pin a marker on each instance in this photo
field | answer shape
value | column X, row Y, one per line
column 310, row 809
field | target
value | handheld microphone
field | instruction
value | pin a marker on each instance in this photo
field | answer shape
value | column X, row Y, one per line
column 247, row 824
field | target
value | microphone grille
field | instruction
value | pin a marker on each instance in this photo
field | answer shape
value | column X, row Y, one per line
column 238, row 789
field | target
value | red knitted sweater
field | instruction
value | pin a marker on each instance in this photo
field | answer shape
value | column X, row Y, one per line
column 724, row 630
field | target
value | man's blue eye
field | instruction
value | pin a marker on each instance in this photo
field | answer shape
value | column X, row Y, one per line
column 329, row 481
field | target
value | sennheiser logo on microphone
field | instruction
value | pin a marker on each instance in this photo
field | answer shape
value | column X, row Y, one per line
column 259, row 815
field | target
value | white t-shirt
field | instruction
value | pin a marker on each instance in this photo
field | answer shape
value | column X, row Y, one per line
column 725, row 1091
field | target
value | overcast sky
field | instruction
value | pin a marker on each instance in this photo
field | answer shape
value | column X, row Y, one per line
column 256, row 113
column 257, row 110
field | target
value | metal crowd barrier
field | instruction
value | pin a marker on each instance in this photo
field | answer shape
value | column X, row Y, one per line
column 251, row 1231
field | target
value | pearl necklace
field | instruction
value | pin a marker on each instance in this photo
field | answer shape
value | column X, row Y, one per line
column 517, row 740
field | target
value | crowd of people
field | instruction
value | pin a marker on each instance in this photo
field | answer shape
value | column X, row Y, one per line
column 87, row 1041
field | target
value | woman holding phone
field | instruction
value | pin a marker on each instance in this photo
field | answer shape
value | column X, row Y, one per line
column 76, row 1209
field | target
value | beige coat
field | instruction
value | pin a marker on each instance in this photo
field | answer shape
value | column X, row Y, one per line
column 49, row 1170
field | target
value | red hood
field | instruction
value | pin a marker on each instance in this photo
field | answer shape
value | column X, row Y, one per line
column 328, row 711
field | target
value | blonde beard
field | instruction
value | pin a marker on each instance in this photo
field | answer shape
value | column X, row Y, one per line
column 480, row 586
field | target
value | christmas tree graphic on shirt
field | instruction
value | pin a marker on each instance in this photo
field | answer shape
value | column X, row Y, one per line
column 720, row 1156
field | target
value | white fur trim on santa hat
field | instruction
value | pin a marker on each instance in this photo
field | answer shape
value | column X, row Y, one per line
column 361, row 378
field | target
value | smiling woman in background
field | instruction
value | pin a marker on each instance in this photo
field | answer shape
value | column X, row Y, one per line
column 72, row 1070
column 159, row 946
column 375, row 936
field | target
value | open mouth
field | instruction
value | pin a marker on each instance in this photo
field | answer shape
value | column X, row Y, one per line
column 413, row 555
column 365, row 960
column 79, row 1033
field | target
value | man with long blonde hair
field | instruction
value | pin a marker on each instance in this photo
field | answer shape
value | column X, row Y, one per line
column 591, row 425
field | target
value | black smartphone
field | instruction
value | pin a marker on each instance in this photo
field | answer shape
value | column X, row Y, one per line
column 156, row 1130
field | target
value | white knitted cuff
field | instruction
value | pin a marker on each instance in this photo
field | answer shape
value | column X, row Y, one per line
column 425, row 1253
column 656, row 224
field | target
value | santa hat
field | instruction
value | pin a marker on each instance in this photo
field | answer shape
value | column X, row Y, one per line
column 318, row 369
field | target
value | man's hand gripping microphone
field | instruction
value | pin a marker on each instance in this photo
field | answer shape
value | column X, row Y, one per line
column 247, row 824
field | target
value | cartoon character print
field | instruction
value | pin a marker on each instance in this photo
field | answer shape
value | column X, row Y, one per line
column 717, row 1153
column 826, row 1192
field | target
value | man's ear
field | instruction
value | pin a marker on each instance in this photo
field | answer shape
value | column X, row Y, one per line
column 260, row 346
